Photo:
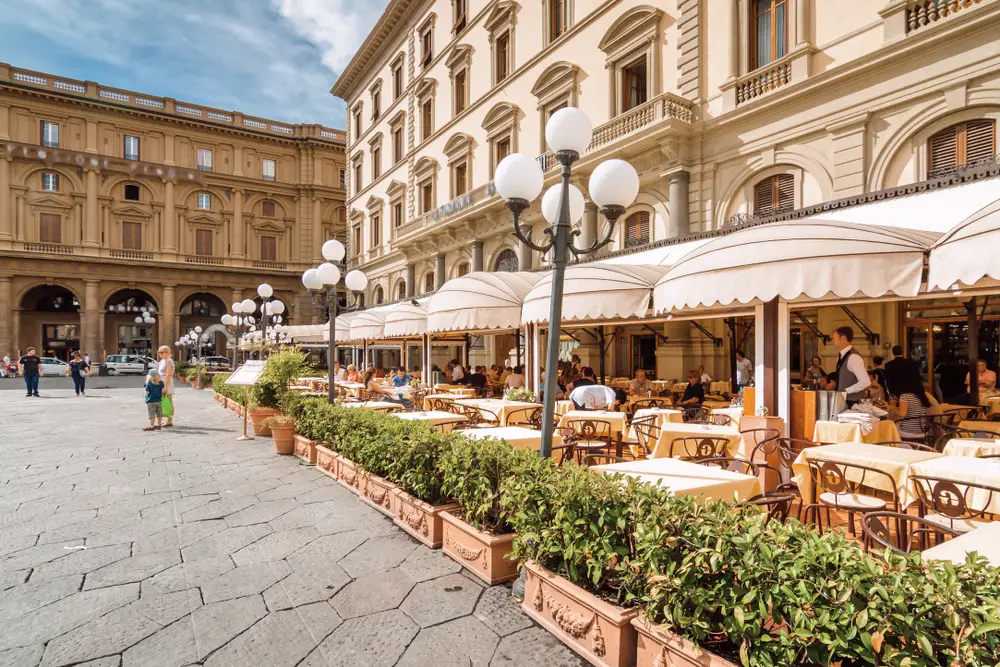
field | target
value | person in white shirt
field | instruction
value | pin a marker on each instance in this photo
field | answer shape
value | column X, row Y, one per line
column 515, row 379
column 593, row 397
column 704, row 376
column 457, row 372
column 744, row 369
column 339, row 374
column 4, row 365
column 852, row 376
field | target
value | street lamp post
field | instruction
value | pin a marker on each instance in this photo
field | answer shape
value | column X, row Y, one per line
column 198, row 340
column 323, row 284
column 613, row 186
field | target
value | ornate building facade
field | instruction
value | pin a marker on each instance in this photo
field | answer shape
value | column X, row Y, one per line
column 113, row 201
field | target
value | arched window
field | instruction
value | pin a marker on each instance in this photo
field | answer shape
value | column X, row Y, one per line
column 960, row 145
column 267, row 208
column 506, row 261
column 401, row 290
column 463, row 268
column 429, row 282
column 637, row 229
column 378, row 296
column 774, row 194
column 203, row 305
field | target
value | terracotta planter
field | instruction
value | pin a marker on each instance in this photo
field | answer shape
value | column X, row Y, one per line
column 379, row 493
column 484, row 555
column 327, row 462
column 305, row 449
column 419, row 519
column 656, row 647
column 284, row 438
column 348, row 474
column 257, row 416
column 599, row 632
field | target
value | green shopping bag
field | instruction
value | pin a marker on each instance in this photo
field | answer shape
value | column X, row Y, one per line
column 167, row 406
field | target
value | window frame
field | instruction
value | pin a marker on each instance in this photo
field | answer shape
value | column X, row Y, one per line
column 358, row 239
column 203, row 165
column 128, row 138
column 358, row 166
column 375, row 230
column 52, row 224
column 48, row 176
column 960, row 132
column 461, row 91
column 136, row 228
column 426, row 118
column 208, row 200
column 125, row 192
column 425, row 33
column 272, row 240
column 200, row 235
column 502, row 57
column 398, row 80
column 643, row 220
column 273, row 205
column 376, row 160
column 561, row 9
column 753, row 54
column 264, row 162
column 634, row 36
column 460, row 11
column 48, row 129
column 775, row 182
column 626, row 85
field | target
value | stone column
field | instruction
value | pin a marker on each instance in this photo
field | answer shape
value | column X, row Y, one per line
column 588, row 226
column 733, row 61
column 6, row 215
column 91, row 136
column 802, row 24
column 679, row 217
column 89, row 318
column 523, row 257
column 316, row 251
column 477, row 255
column 169, row 219
column 165, row 318
column 6, row 312
column 236, row 231
column 439, row 275
column 411, row 280
column 92, row 222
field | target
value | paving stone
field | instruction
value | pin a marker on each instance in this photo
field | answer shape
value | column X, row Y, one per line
column 168, row 607
column 424, row 564
column 324, row 492
column 280, row 639
column 464, row 642
column 534, row 647
column 500, row 612
column 225, row 542
column 275, row 546
column 115, row 661
column 218, row 509
column 132, row 569
column 307, row 515
column 304, row 586
column 17, row 544
column 246, row 580
column 327, row 549
column 81, row 561
column 13, row 578
column 27, row 656
column 28, row 597
column 373, row 593
column 111, row 633
column 372, row 641
column 379, row 554
column 440, row 600
column 261, row 512
column 187, row 575
column 34, row 556
column 352, row 514
column 178, row 537
column 286, row 490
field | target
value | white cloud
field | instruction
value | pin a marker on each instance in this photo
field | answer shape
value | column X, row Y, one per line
column 336, row 27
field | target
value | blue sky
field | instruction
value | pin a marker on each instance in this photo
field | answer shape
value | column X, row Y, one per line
column 271, row 58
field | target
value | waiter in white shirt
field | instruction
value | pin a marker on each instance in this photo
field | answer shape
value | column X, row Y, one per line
column 593, row 397
column 852, row 376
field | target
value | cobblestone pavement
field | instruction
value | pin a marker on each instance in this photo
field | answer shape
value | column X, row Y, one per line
column 185, row 547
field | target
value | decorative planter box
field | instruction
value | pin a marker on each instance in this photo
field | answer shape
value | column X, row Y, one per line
column 599, row 632
column 484, row 555
column 379, row 493
column 348, row 474
column 327, row 462
column 421, row 520
column 257, row 417
column 305, row 449
column 659, row 648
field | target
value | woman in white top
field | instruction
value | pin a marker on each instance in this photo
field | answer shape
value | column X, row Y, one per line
column 165, row 368
column 515, row 379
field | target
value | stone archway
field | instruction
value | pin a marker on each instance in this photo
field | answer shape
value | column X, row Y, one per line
column 205, row 310
column 50, row 321
column 121, row 333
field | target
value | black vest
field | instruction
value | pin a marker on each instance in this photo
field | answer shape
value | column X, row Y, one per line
column 845, row 378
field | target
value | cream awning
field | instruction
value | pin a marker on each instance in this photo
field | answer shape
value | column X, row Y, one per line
column 969, row 252
column 369, row 324
column 407, row 318
column 480, row 301
column 795, row 258
column 343, row 327
column 305, row 333
column 595, row 291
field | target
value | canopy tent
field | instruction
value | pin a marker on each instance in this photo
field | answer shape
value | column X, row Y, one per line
column 795, row 258
column 595, row 291
column 968, row 253
column 369, row 324
column 305, row 333
column 343, row 328
column 407, row 319
column 480, row 301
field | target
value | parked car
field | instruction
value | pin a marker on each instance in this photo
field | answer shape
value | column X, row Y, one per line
column 217, row 363
column 126, row 364
column 53, row 366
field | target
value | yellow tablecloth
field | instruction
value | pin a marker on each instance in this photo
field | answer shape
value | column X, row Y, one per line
column 720, row 387
column 967, row 469
column 993, row 403
column 632, row 399
column 981, row 426
column 434, row 418
column 516, row 436
column 736, row 414
column 715, row 405
column 671, row 431
column 688, row 479
column 971, row 447
column 985, row 540
column 562, row 407
column 443, row 397
column 500, row 408
column 661, row 385
column 373, row 405
column 827, row 432
column 897, row 463
column 616, row 419
column 663, row 416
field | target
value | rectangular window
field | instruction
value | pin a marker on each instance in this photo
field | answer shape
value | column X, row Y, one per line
column 343, row 179
column 426, row 197
column 637, row 229
column 427, row 48
column 269, row 248
column 558, row 18
column 203, row 242
column 426, row 119
column 267, row 169
column 376, row 163
column 634, row 84
column 131, row 147
column 397, row 214
column 376, row 105
column 50, row 182
column 503, row 56
column 961, row 145
column 460, row 91
column 204, row 201
column 204, row 159
column 768, row 32
column 267, row 208
column 49, row 228
column 502, row 149
column 461, row 179
column 376, row 231
column 357, row 177
column 132, row 235
column 357, row 123
column 775, row 194
column 131, row 192
column 357, row 240
column 50, row 134
column 460, row 18
column 397, row 81
column 397, row 144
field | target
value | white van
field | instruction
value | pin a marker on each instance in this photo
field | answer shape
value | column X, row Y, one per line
column 126, row 364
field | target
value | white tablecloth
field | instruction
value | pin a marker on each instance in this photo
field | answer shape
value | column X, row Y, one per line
column 501, row 408
column 984, row 472
column 373, row 405
column 663, row 416
column 684, row 478
column 830, row 432
column 616, row 419
column 434, row 418
column 984, row 540
column 516, row 436
column 971, row 447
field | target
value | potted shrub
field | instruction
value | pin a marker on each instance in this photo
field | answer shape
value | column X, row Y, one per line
column 420, row 499
column 282, row 432
column 478, row 533
column 272, row 384
column 522, row 394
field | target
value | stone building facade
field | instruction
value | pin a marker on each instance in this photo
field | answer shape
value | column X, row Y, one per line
column 112, row 201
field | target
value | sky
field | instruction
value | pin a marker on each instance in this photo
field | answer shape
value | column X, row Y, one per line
column 271, row 58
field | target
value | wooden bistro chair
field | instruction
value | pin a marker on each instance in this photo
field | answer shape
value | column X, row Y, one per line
column 592, row 460
column 591, row 436
column 957, row 415
column 720, row 420
column 697, row 415
column 907, row 444
column 777, row 505
column 849, row 487
column 737, row 465
column 953, row 432
column 957, row 506
column 694, row 448
column 918, row 533
column 763, row 443
column 443, row 405
column 643, row 404
column 528, row 417
column 647, row 434
column 476, row 417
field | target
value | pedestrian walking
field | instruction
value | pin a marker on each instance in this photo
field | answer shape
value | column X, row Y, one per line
column 30, row 367
column 4, row 364
column 154, row 401
column 79, row 369
column 165, row 369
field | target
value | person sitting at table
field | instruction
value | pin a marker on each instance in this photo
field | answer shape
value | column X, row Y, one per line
column 592, row 396
column 457, row 373
column 339, row 374
column 352, row 374
column 586, row 378
column 694, row 395
column 400, row 378
column 829, row 383
column 478, row 380
column 874, row 392
column 515, row 379
column 560, row 389
column 815, row 376
column 705, row 378
column 640, row 386
column 415, row 373
column 987, row 378
column 878, row 368
column 911, row 408
column 382, row 393
column 493, row 374
column 504, row 374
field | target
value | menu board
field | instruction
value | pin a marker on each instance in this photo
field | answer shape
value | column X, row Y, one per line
column 247, row 374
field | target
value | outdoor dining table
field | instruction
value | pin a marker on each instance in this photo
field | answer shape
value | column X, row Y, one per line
column 713, row 404
column 671, row 431
column 372, row 405
column 516, row 436
column 562, row 407
column 446, row 420
column 972, row 447
column 981, row 427
column 992, row 403
column 985, row 472
column 684, row 478
column 663, row 416
column 720, row 387
column 502, row 408
column 615, row 419
column 734, row 413
column 350, row 387
column 831, row 432
column 444, row 397
column 898, row 463
column 984, row 540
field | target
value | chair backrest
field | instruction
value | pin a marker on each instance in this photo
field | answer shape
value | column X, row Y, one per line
column 647, row 432
column 906, row 444
column 530, row 416
column 693, row 448
column 601, row 459
column 955, row 416
column 952, row 432
column 954, row 499
column 737, row 465
column 911, row 530
column 440, row 404
column 696, row 414
column 789, row 450
column 765, row 441
column 720, row 420
column 563, row 453
column 777, row 505
column 590, row 429
column 851, row 478
column 643, row 403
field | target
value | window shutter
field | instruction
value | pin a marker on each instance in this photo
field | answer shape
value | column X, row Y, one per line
column 49, row 228
column 786, row 191
column 132, row 236
column 980, row 140
column 203, row 242
column 268, row 248
column 763, row 196
column 637, row 229
column 943, row 149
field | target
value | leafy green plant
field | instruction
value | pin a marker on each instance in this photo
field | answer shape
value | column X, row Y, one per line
column 417, row 465
column 521, row 394
column 279, row 421
column 280, row 369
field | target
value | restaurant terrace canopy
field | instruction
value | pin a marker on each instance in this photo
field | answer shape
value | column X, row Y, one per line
column 305, row 333
column 791, row 259
column 480, row 301
column 406, row 319
column 369, row 324
column 967, row 253
column 595, row 291
column 343, row 329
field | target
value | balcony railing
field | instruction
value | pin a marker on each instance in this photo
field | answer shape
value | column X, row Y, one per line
column 51, row 248
column 130, row 254
column 203, row 259
column 922, row 13
column 764, row 80
column 267, row 264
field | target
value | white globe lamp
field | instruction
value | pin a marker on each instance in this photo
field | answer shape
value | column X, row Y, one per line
column 197, row 330
column 519, row 176
column 264, row 291
column 277, row 307
column 614, row 183
column 356, row 281
column 249, row 305
column 334, row 251
column 552, row 200
column 328, row 274
column 138, row 320
column 227, row 319
column 568, row 129
column 311, row 280
column 237, row 307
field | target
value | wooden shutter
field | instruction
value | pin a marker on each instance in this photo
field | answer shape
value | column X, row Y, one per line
column 49, row 228
column 267, row 209
column 269, row 248
column 980, row 140
column 203, row 241
column 376, row 231
column 943, row 149
column 774, row 194
column 763, row 196
column 637, row 229
column 784, row 188
column 132, row 235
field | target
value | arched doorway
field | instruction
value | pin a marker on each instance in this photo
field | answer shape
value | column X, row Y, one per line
column 50, row 321
column 204, row 310
column 506, row 261
column 122, row 334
